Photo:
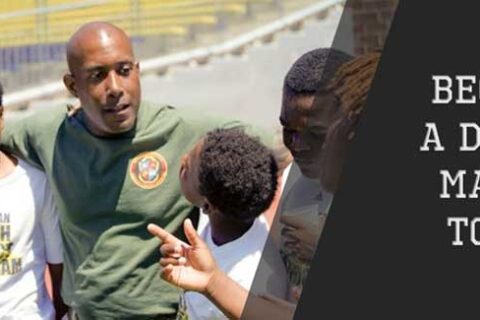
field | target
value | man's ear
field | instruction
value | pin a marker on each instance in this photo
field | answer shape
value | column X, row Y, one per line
column 69, row 82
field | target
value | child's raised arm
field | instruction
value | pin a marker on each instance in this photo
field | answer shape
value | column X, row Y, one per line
column 192, row 267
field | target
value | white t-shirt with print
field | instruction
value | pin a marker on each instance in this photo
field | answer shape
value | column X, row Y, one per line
column 29, row 237
column 239, row 259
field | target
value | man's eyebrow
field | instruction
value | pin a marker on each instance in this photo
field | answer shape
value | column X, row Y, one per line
column 129, row 62
column 108, row 67
column 95, row 68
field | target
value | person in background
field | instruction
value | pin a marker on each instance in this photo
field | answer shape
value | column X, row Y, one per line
column 347, row 93
column 305, row 119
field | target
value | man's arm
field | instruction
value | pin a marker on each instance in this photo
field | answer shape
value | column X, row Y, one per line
column 56, row 271
column 16, row 138
column 54, row 249
column 32, row 137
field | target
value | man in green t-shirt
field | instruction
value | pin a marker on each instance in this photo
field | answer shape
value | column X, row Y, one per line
column 113, row 166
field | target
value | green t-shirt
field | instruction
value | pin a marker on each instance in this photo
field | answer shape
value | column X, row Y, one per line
column 107, row 191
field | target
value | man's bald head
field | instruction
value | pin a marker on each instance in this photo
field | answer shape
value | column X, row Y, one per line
column 90, row 35
column 105, row 76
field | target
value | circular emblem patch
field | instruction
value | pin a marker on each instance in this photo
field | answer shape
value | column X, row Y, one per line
column 148, row 170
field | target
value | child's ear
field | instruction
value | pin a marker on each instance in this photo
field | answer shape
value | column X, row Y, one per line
column 207, row 206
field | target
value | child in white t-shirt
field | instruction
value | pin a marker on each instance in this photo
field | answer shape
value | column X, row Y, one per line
column 29, row 239
column 233, row 177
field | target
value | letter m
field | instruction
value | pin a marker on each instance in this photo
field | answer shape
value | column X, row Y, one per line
column 448, row 180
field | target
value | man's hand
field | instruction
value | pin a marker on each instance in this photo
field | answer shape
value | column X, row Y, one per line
column 188, row 266
column 335, row 151
column 301, row 235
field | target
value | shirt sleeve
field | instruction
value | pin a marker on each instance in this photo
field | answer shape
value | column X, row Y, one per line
column 33, row 137
column 51, row 229
column 16, row 138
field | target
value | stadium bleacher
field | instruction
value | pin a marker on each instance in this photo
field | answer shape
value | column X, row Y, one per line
column 59, row 18
column 33, row 33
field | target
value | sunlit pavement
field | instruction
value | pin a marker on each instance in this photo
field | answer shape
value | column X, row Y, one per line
column 246, row 87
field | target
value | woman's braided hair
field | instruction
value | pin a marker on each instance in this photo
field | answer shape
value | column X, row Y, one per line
column 352, row 82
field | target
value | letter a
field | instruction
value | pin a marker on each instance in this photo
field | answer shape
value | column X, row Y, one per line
column 432, row 137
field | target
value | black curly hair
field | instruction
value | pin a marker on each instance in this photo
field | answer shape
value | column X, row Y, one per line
column 313, row 70
column 237, row 174
column 1, row 94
